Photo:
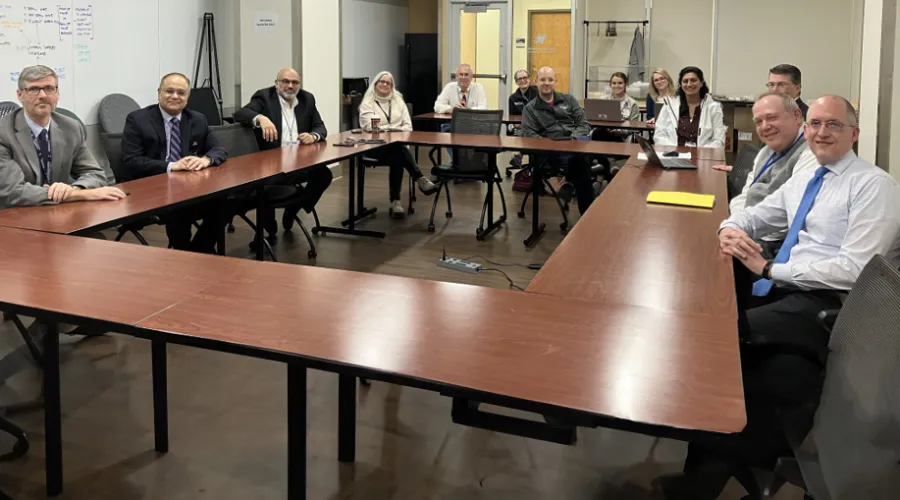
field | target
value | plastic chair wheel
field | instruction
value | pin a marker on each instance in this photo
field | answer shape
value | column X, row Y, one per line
column 311, row 254
column 502, row 218
column 411, row 210
column 478, row 231
column 508, row 174
column 521, row 215
column 430, row 228
column 563, row 226
column 449, row 215
column 315, row 230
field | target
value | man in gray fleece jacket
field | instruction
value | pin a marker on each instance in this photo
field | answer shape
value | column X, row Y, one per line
column 779, row 123
column 555, row 115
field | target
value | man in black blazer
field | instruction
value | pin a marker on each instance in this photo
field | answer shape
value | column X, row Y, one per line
column 165, row 138
column 275, row 129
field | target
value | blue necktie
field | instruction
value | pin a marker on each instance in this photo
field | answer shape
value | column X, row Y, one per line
column 762, row 287
column 44, row 154
column 174, row 140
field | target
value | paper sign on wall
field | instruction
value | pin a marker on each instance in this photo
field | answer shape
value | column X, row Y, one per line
column 745, row 136
column 265, row 22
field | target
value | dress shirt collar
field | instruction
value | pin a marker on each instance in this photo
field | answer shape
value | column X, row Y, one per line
column 167, row 117
column 35, row 128
column 843, row 164
column 284, row 103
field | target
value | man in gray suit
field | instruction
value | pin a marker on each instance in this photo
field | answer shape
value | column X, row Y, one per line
column 43, row 155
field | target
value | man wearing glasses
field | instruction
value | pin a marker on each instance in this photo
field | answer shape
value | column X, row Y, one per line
column 166, row 138
column 43, row 155
column 786, row 79
column 837, row 215
column 285, row 115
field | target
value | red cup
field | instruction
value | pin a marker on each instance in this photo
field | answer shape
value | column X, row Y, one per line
column 376, row 125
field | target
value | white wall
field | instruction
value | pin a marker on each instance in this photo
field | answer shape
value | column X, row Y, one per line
column 264, row 51
column 227, row 39
column 608, row 55
column 817, row 36
column 372, row 38
column 871, row 68
column 321, row 55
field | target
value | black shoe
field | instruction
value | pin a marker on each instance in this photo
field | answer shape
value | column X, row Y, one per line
column 566, row 192
column 287, row 219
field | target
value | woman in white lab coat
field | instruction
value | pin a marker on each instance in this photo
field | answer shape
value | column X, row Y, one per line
column 692, row 118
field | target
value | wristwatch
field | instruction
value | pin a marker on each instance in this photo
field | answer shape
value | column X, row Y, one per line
column 767, row 269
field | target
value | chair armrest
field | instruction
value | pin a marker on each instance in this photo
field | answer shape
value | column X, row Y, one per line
column 828, row 317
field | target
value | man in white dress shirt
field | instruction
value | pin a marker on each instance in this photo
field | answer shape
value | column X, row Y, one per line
column 462, row 93
column 837, row 215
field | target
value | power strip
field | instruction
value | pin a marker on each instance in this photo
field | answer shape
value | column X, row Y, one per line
column 460, row 265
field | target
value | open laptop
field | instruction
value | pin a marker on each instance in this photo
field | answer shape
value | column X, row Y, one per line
column 654, row 159
column 609, row 110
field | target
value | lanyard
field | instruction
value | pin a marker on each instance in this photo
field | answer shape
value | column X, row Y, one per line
column 387, row 113
column 773, row 159
column 291, row 125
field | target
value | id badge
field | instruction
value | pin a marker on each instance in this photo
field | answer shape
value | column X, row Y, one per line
column 690, row 144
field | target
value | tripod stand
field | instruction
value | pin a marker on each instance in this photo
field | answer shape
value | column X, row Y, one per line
column 208, row 35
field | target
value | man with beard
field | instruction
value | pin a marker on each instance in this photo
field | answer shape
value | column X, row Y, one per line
column 285, row 115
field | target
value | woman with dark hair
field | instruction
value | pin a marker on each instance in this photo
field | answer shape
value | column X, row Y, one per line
column 692, row 118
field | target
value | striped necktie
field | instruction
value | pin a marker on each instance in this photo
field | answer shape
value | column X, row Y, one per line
column 174, row 140
column 463, row 99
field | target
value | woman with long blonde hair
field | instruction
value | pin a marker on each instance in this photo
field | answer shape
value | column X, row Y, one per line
column 661, row 86
column 382, row 101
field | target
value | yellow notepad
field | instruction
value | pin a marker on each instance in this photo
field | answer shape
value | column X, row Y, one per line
column 682, row 199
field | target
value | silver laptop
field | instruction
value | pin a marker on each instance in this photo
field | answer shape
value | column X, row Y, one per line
column 654, row 159
column 609, row 110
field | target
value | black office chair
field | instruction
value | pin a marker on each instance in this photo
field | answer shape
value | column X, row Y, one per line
column 7, row 107
column 239, row 140
column 742, row 167
column 369, row 162
column 203, row 100
column 112, row 145
column 473, row 165
column 853, row 448
column 113, row 111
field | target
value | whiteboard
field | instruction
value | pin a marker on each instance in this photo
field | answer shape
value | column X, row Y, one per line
column 99, row 47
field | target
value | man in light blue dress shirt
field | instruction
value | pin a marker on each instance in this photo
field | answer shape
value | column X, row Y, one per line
column 837, row 215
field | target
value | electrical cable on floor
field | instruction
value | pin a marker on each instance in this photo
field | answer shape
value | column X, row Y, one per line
column 511, row 283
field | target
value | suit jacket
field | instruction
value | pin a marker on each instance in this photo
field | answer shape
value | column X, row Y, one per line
column 144, row 145
column 517, row 100
column 20, row 169
column 265, row 102
column 803, row 107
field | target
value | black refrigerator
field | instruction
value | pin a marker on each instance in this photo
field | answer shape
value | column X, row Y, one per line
column 421, row 79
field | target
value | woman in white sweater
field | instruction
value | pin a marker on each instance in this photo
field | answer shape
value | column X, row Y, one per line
column 383, row 102
column 691, row 118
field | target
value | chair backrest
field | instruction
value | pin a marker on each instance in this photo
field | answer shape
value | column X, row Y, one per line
column 237, row 139
column 112, row 145
column 7, row 107
column 474, row 121
column 854, row 446
column 114, row 108
column 203, row 100
column 743, row 164
column 67, row 113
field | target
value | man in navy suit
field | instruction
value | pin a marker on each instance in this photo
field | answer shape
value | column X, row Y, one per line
column 165, row 138
column 299, row 124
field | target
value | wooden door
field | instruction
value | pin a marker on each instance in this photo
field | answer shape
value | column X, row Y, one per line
column 549, row 44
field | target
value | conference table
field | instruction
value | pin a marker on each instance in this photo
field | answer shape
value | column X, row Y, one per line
column 639, row 126
column 631, row 324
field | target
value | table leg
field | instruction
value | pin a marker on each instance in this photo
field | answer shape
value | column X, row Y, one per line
column 537, row 182
column 259, row 225
column 160, row 395
column 52, row 411
column 352, row 216
column 296, row 387
column 361, row 211
column 346, row 418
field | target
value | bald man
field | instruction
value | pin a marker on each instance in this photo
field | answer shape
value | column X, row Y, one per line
column 285, row 115
column 838, row 215
column 558, row 116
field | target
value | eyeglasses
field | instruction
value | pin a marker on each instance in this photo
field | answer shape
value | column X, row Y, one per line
column 778, row 85
column 35, row 91
column 463, row 75
column 522, row 79
column 287, row 82
column 831, row 125
column 178, row 92
column 385, row 82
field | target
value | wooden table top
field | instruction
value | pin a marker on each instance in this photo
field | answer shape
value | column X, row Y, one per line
column 626, row 251
column 633, row 363
column 517, row 119
column 167, row 191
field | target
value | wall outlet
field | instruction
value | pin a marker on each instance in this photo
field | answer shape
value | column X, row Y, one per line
column 460, row 265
